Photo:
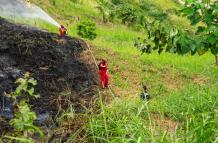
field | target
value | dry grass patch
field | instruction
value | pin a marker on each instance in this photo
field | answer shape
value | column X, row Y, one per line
column 200, row 80
column 164, row 123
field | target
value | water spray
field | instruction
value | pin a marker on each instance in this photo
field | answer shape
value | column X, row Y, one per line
column 24, row 9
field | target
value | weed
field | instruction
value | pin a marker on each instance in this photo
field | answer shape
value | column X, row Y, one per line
column 24, row 118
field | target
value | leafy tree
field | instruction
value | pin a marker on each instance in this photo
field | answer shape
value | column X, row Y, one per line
column 206, row 13
column 162, row 38
column 87, row 29
column 174, row 40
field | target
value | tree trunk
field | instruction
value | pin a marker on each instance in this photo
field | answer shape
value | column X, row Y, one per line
column 216, row 58
column 104, row 17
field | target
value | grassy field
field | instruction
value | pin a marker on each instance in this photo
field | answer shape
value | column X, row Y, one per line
column 184, row 105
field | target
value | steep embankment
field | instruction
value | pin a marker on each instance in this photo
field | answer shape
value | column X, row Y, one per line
column 57, row 63
column 180, row 86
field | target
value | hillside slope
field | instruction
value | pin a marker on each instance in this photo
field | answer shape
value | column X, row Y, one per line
column 115, row 43
column 183, row 88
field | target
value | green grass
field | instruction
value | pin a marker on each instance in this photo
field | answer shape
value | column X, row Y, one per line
column 183, row 88
column 132, row 121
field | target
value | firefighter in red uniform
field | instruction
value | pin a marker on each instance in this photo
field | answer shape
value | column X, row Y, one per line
column 103, row 74
column 62, row 30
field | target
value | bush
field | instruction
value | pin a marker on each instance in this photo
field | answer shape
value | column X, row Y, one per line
column 87, row 29
column 128, row 14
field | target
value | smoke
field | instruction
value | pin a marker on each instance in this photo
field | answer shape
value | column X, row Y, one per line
column 24, row 9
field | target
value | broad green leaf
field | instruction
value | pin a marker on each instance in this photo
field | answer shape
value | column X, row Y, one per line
column 27, row 74
column 20, row 80
column 31, row 91
column 37, row 96
column 32, row 81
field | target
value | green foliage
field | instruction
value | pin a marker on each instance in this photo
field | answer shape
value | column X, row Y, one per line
column 161, row 38
column 178, row 41
column 102, row 7
column 133, row 121
column 115, row 43
column 118, row 124
column 24, row 118
column 153, row 11
column 87, row 29
column 205, row 12
column 127, row 13
column 131, row 13
column 25, row 87
column 201, row 129
column 195, row 108
column 192, row 100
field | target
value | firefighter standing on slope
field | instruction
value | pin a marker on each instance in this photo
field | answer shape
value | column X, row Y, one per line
column 103, row 74
column 62, row 30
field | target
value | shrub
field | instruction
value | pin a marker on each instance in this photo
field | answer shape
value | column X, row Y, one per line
column 128, row 14
column 87, row 29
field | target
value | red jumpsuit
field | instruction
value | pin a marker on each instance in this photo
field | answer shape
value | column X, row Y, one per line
column 103, row 75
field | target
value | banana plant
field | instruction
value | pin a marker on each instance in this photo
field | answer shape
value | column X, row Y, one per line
column 103, row 9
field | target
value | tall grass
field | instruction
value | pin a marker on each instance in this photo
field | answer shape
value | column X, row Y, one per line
column 132, row 121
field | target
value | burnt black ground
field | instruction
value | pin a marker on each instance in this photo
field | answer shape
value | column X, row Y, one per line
column 55, row 62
